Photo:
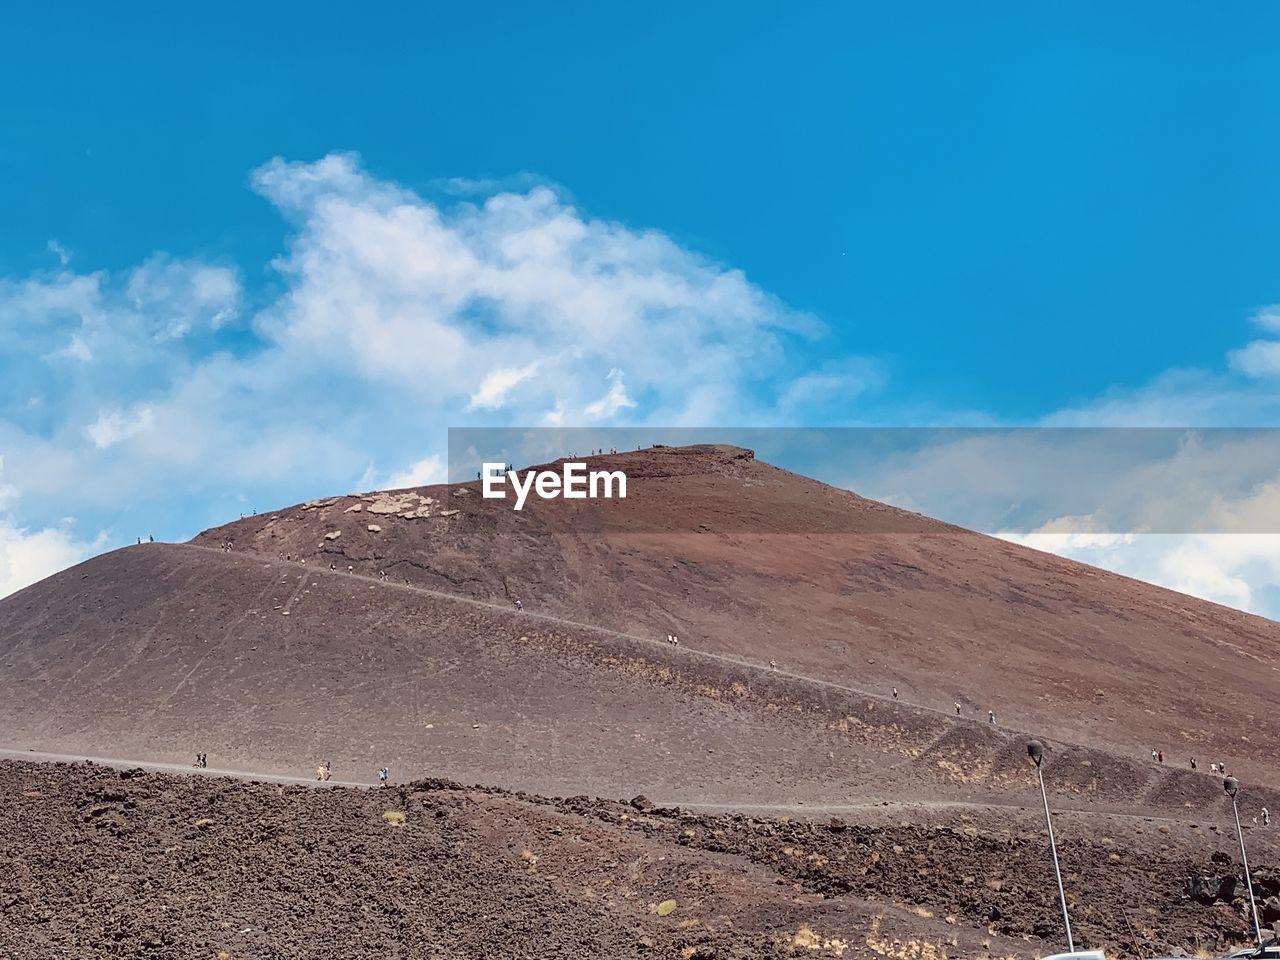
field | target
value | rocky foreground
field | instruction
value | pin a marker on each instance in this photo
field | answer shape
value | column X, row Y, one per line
column 105, row 863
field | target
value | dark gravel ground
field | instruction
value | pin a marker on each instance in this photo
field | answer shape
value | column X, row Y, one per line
column 105, row 863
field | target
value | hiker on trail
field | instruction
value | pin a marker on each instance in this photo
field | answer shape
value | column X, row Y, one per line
column 773, row 664
column 320, row 772
column 957, row 709
column 675, row 640
column 895, row 693
column 1160, row 756
column 1213, row 768
column 1193, row 763
column 139, row 541
column 382, row 777
column 519, row 605
column 151, row 539
column 991, row 716
column 1266, row 817
column 1153, row 753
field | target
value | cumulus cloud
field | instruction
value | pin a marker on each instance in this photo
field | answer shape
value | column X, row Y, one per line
column 1261, row 358
column 421, row 473
column 27, row 556
column 614, row 400
column 829, row 391
column 59, row 251
column 183, row 297
column 393, row 316
column 425, row 297
column 497, row 384
column 1235, row 570
column 158, row 385
column 115, row 426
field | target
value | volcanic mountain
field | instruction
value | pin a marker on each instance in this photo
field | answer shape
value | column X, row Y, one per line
column 381, row 628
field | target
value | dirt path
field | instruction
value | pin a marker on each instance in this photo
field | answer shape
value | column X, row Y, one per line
column 36, row 756
column 925, row 806
column 755, row 809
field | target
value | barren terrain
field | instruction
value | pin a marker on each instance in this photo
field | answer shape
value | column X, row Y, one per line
column 380, row 629
column 111, row 862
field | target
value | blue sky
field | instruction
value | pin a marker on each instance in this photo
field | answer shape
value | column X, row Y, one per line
column 215, row 225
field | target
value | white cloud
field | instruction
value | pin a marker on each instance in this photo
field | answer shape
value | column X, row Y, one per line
column 396, row 310
column 493, row 389
column 1231, row 569
column 8, row 493
column 613, row 401
column 59, row 251
column 423, row 298
column 77, row 349
column 183, row 297
column 115, row 426
column 553, row 417
column 1268, row 318
column 1261, row 358
column 422, row 473
column 390, row 310
column 27, row 556
column 829, row 391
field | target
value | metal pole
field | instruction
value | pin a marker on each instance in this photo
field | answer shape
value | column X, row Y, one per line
column 1057, row 871
column 1244, row 859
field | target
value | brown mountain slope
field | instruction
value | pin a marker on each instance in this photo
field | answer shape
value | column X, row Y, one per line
column 266, row 658
column 743, row 559
column 159, row 651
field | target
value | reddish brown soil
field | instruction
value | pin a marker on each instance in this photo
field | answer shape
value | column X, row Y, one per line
column 365, row 673
column 106, row 863
column 838, row 587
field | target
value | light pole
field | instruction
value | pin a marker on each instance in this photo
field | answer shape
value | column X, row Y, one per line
column 1035, row 750
column 1232, row 786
